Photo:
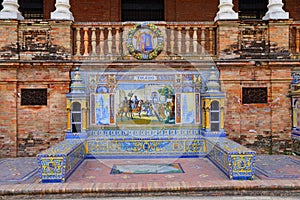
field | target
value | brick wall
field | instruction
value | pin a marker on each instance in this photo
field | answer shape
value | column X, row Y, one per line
column 39, row 127
column 187, row 10
column 8, row 41
column 227, row 37
column 62, row 36
column 191, row 10
column 26, row 130
column 292, row 7
column 110, row 10
column 8, row 117
column 264, row 127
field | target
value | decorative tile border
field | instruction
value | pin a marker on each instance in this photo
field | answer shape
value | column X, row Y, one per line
column 145, row 147
column 145, row 133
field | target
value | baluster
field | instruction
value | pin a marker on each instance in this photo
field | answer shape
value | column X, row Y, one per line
column 211, row 41
column 109, row 40
column 195, row 39
column 124, row 48
column 117, row 39
column 187, row 40
column 179, row 39
column 86, row 41
column 202, row 40
column 78, row 41
column 101, row 41
column 94, row 41
column 165, row 49
column 297, row 39
column 172, row 39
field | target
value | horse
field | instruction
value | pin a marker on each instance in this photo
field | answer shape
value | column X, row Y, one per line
column 125, row 108
column 128, row 108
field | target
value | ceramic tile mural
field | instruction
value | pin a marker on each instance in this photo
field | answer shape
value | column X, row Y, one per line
column 143, row 104
column 102, row 105
column 188, row 108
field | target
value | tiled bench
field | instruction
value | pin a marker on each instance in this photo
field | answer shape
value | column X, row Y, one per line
column 296, row 142
column 236, row 161
column 58, row 162
column 145, row 143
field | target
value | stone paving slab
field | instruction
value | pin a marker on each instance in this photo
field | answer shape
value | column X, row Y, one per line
column 18, row 170
column 277, row 167
column 201, row 178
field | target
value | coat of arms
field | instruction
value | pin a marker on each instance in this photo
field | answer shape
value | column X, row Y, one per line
column 145, row 41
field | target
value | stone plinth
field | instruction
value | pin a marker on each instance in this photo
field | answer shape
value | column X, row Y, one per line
column 10, row 10
column 225, row 11
column 275, row 11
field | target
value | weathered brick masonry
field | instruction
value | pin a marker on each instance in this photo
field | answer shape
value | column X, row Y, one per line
column 175, row 10
column 26, row 130
column 264, row 128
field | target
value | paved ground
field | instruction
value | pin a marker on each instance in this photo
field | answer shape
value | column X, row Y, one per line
column 275, row 176
column 196, row 198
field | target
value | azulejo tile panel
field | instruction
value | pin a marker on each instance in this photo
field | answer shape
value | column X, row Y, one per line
column 145, row 133
column 242, row 166
column 58, row 162
column 147, row 142
column 52, row 168
column 236, row 161
column 296, row 143
column 146, row 147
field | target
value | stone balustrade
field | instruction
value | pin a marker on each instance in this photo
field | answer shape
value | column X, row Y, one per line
column 40, row 40
column 108, row 40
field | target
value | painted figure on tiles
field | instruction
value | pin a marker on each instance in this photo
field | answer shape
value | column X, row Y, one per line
column 144, row 42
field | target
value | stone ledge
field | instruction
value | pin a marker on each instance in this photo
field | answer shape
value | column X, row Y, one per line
column 209, row 188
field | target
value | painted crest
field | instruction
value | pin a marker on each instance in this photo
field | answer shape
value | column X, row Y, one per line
column 145, row 41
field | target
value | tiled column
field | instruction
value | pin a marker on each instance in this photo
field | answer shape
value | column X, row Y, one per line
column 10, row 10
column 225, row 11
column 275, row 11
column 62, row 11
